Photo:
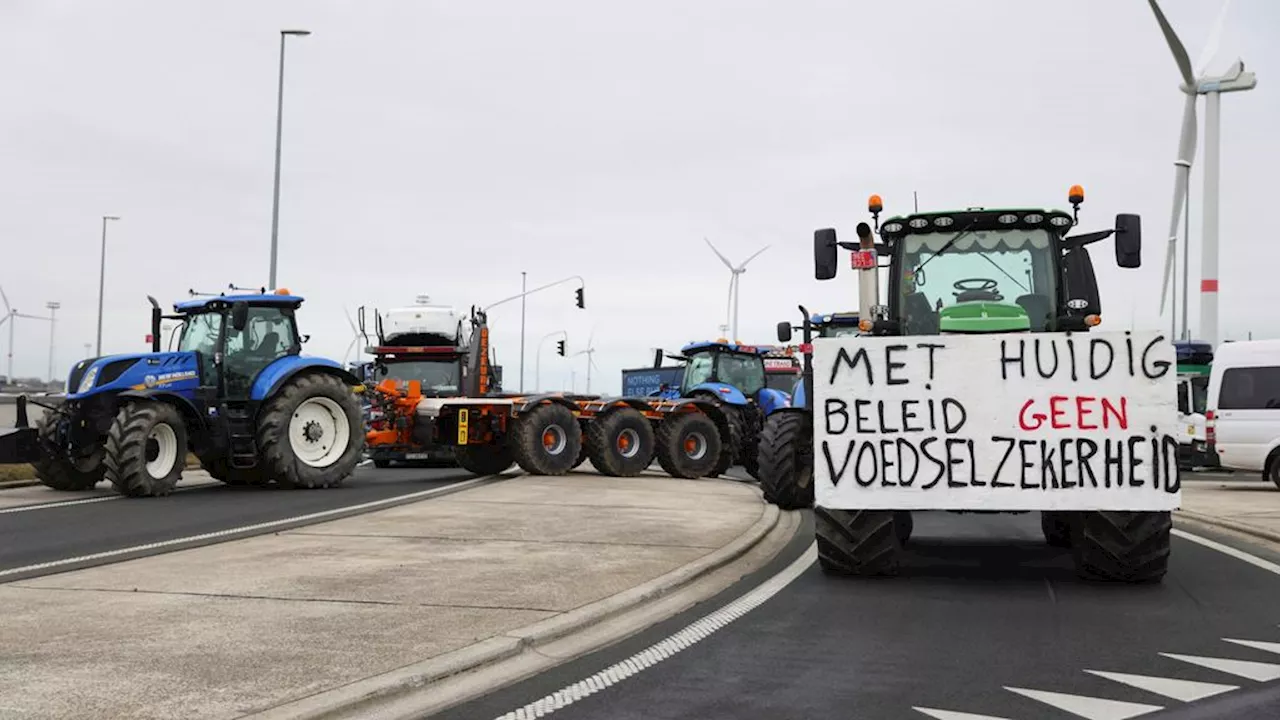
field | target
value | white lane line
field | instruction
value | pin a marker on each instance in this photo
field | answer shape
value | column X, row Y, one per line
column 953, row 715
column 399, row 499
column 95, row 499
column 1088, row 707
column 1271, row 647
column 1228, row 550
column 1260, row 671
column 1184, row 690
column 663, row 649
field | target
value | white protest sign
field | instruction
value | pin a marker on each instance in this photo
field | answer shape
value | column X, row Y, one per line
column 1043, row 421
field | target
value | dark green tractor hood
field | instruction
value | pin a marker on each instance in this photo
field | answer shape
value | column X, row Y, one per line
column 983, row 316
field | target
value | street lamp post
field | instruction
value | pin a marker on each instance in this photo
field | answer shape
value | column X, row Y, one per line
column 275, row 196
column 53, row 308
column 524, row 287
column 102, row 278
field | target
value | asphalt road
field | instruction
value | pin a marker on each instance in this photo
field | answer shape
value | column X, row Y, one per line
column 37, row 539
column 982, row 607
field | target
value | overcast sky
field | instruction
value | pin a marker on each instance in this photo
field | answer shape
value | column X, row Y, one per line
column 444, row 147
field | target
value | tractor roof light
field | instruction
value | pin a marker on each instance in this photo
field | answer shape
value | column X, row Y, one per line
column 282, row 291
column 1075, row 195
column 864, row 325
column 1092, row 320
column 875, row 205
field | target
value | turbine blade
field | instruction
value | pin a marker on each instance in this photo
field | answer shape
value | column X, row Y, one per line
column 1215, row 38
column 4, row 297
column 723, row 259
column 350, row 322
column 753, row 257
column 1175, row 46
column 1182, row 173
column 4, row 319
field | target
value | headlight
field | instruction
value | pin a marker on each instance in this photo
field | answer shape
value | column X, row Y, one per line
column 90, row 377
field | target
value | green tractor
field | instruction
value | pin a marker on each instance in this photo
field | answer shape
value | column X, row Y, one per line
column 1011, row 274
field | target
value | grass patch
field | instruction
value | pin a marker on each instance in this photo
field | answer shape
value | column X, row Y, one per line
column 9, row 473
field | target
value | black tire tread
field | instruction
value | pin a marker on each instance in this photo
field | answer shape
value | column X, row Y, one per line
column 600, row 445
column 126, row 457
column 857, row 542
column 668, row 447
column 483, row 460
column 1056, row 527
column 55, row 471
column 275, row 454
column 784, row 438
column 526, row 440
column 1122, row 546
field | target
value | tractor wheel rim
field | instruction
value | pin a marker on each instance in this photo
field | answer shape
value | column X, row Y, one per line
column 554, row 439
column 164, row 441
column 628, row 443
column 695, row 446
column 319, row 432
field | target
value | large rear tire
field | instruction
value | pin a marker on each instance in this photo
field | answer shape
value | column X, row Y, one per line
column 1122, row 546
column 621, row 444
column 546, row 440
column 858, row 542
column 786, row 461
column 55, row 469
column 483, row 460
column 729, row 446
column 688, row 445
column 1056, row 527
column 146, row 449
column 309, row 432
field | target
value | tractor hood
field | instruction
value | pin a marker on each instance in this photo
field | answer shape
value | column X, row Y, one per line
column 983, row 316
column 133, row 371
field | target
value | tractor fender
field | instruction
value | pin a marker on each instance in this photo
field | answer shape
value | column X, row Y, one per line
column 798, row 399
column 190, row 414
column 727, row 394
column 771, row 401
column 612, row 404
column 279, row 372
column 528, row 403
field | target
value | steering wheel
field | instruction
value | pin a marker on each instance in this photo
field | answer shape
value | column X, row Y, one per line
column 976, row 289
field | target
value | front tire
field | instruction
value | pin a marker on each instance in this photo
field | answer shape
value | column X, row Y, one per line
column 1056, row 527
column 1122, row 546
column 786, row 461
column 146, row 449
column 546, row 440
column 308, row 432
column 620, row 444
column 382, row 463
column 858, row 542
column 58, row 471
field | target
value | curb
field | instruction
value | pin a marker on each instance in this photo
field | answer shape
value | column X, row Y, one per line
column 1214, row 521
column 349, row 698
column 11, row 484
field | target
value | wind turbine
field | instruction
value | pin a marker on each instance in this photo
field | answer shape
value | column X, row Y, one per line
column 11, row 316
column 1194, row 84
column 736, row 272
column 355, row 340
column 590, row 353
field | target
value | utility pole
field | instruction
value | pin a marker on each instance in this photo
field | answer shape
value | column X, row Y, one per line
column 53, row 308
column 537, row 373
column 275, row 198
column 102, row 279
column 524, row 287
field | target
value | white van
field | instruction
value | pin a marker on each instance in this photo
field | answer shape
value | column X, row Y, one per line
column 1243, row 417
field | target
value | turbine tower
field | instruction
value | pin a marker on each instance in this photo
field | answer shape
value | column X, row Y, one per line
column 736, row 272
column 1195, row 84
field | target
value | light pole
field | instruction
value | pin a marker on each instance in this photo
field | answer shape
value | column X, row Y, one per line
column 53, row 308
column 523, row 296
column 102, row 279
column 537, row 372
column 275, row 195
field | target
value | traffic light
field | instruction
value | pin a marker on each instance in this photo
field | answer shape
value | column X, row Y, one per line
column 560, row 348
column 582, row 301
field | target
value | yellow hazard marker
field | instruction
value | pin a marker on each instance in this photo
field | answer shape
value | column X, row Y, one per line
column 462, row 426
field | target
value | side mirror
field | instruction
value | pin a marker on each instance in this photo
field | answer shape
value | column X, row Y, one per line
column 1128, row 241
column 305, row 338
column 824, row 253
column 239, row 315
column 784, row 332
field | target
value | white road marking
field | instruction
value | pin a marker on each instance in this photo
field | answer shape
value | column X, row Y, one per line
column 95, row 499
column 1088, row 707
column 1272, row 647
column 953, row 715
column 1260, row 671
column 1228, row 550
column 663, row 649
column 242, row 529
column 1184, row 690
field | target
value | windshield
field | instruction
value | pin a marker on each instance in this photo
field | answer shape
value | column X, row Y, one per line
column 838, row 331
column 781, row 381
column 745, row 372
column 698, row 369
column 200, row 333
column 1007, row 266
column 438, row 377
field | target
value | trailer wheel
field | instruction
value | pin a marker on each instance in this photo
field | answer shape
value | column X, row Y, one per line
column 857, row 542
column 786, row 461
column 1122, row 546
column 546, row 440
column 308, row 433
column 221, row 470
column 688, row 445
column 620, row 444
column 146, row 449
column 1056, row 527
column 483, row 460
column 58, row 471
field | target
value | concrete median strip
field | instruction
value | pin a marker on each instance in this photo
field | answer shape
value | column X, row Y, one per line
column 351, row 698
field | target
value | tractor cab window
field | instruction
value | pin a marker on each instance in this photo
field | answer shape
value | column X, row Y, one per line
column 939, row 270
column 838, row 331
column 269, row 334
column 745, row 372
column 698, row 370
column 785, row 382
column 199, row 333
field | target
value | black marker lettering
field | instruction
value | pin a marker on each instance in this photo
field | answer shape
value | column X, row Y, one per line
column 1006, row 360
column 973, row 466
column 930, row 347
column 1048, row 473
column 1066, row 462
column 1008, row 450
column 852, row 363
column 890, row 365
column 1071, row 352
column 924, row 450
column 1128, row 344
column 858, row 418
column 908, row 415
column 836, row 477
column 952, row 462
column 835, row 407
column 1040, row 365
column 1094, row 344
column 1085, row 450
column 1171, row 469
column 1135, row 461
column 1022, row 451
column 857, row 465
column 903, row 478
column 1161, row 366
column 884, row 426
column 886, row 463
column 948, row 426
column 1111, row 461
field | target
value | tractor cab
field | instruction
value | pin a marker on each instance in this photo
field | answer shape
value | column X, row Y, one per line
column 236, row 337
column 732, row 373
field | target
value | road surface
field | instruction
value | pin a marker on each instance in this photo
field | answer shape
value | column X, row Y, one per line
column 985, row 619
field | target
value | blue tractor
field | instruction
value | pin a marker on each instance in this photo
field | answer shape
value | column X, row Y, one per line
column 786, row 441
column 236, row 392
column 732, row 376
